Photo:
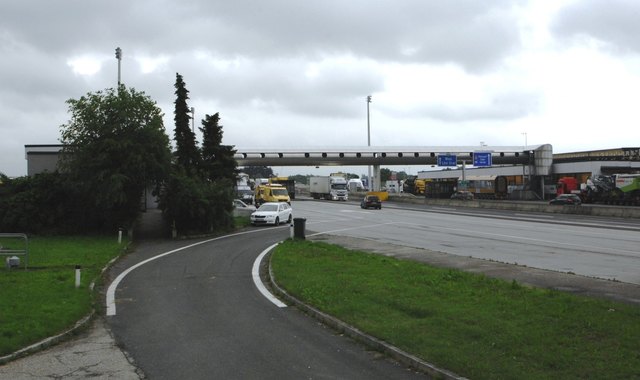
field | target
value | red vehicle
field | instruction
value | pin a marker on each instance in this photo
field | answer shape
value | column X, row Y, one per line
column 568, row 185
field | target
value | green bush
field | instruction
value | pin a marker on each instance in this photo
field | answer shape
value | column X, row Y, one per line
column 195, row 206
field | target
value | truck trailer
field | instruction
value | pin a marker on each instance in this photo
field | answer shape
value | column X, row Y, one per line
column 329, row 188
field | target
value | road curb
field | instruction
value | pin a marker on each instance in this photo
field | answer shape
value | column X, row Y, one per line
column 354, row 333
column 50, row 341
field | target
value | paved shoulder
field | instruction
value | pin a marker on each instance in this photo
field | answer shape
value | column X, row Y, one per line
column 93, row 354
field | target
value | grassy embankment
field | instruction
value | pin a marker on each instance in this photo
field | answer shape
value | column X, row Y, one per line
column 475, row 326
column 43, row 301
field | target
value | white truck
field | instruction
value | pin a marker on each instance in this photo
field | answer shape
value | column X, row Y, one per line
column 329, row 188
column 244, row 192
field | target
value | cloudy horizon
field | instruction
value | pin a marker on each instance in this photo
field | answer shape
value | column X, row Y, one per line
column 297, row 74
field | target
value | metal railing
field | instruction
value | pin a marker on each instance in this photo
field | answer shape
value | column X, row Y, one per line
column 15, row 251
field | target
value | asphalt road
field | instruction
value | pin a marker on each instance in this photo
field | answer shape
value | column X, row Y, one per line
column 605, row 248
column 196, row 314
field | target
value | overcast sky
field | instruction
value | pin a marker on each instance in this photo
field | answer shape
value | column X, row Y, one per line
column 290, row 73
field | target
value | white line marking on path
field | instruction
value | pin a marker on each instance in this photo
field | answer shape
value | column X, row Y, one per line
column 255, row 272
column 111, row 290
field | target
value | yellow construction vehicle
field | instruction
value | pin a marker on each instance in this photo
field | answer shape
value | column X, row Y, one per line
column 270, row 193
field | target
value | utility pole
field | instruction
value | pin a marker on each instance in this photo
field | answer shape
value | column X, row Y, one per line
column 193, row 120
column 370, row 180
column 119, row 58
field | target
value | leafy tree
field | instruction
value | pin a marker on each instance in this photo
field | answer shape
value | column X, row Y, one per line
column 115, row 146
column 299, row 178
column 186, row 153
column 217, row 159
column 401, row 175
column 258, row 171
column 385, row 174
column 191, row 205
column 45, row 203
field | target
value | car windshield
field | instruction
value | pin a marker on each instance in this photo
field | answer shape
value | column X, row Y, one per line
column 373, row 199
column 280, row 192
column 268, row 207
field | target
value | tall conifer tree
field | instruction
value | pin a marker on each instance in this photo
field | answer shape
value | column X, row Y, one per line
column 218, row 161
column 187, row 155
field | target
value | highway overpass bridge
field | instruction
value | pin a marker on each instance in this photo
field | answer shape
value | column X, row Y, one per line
column 536, row 158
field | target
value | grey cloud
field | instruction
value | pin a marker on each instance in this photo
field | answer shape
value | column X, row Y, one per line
column 500, row 107
column 470, row 33
column 614, row 22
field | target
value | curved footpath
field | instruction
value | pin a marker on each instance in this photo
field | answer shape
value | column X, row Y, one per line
column 94, row 353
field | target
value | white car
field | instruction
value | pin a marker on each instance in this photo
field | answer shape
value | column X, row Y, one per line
column 242, row 209
column 237, row 203
column 272, row 213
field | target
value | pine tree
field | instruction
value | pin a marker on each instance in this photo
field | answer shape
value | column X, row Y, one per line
column 218, row 161
column 187, row 155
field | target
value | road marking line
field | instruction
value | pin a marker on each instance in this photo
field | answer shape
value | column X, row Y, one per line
column 255, row 272
column 111, row 290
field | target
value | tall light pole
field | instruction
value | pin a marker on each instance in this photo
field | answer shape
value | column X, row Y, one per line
column 525, row 139
column 193, row 120
column 369, row 179
column 119, row 57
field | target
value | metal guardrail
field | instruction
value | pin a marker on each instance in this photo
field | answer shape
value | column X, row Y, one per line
column 11, row 251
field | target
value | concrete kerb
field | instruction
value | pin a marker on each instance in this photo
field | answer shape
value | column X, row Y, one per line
column 80, row 325
column 51, row 341
column 354, row 333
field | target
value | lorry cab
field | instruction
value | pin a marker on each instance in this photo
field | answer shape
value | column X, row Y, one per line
column 271, row 193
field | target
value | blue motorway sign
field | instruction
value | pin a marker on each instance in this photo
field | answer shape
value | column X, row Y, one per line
column 447, row 160
column 481, row 159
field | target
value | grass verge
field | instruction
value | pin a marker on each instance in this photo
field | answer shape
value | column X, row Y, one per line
column 475, row 326
column 43, row 301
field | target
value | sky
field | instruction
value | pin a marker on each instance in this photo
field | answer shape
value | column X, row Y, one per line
column 288, row 74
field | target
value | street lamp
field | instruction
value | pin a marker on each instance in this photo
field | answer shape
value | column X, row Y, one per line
column 193, row 120
column 369, row 140
column 119, row 58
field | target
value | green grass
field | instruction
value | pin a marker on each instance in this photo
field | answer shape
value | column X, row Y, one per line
column 475, row 326
column 242, row 221
column 43, row 301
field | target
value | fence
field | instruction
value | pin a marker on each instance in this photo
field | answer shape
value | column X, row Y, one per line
column 15, row 251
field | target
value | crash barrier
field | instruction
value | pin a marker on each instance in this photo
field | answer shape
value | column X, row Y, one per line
column 12, row 252
column 528, row 206
column 298, row 228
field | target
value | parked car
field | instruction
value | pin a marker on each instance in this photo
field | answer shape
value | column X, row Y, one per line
column 371, row 201
column 272, row 213
column 463, row 195
column 566, row 199
column 242, row 209
column 237, row 203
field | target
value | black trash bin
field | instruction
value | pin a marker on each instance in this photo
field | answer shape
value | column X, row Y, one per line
column 298, row 228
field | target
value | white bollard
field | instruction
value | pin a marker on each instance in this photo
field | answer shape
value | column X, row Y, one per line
column 120, row 236
column 77, row 276
column 291, row 230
